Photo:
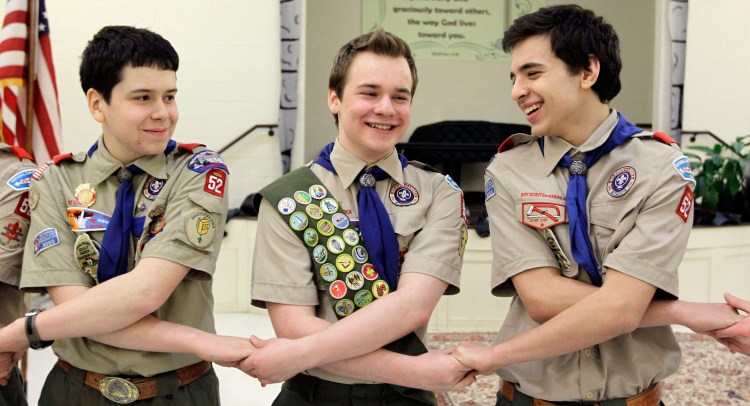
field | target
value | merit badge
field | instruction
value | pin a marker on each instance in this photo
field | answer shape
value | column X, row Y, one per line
column 621, row 181
column 85, row 195
column 33, row 196
column 206, row 160
column 405, row 195
column 340, row 220
column 344, row 263
column 216, row 180
column 337, row 289
column 336, row 244
column 152, row 187
column 360, row 254
column 298, row 221
column 325, row 227
column 21, row 180
column 157, row 224
column 554, row 245
column 23, row 208
column 354, row 280
column 302, row 197
column 489, row 189
column 543, row 215
column 351, row 236
column 682, row 166
column 368, row 271
column 311, row 237
column 200, row 228
column 86, row 254
column 82, row 219
column 380, row 288
column 464, row 239
column 329, row 205
column 286, row 205
column 45, row 239
column 453, row 183
column 13, row 233
column 344, row 307
column 313, row 210
column 320, row 254
column 686, row 203
column 318, row 191
column 363, row 298
column 328, row 272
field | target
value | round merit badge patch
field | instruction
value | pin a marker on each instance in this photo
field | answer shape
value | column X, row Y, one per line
column 200, row 228
column 621, row 181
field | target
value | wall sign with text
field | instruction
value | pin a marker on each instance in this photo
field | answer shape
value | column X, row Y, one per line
column 465, row 30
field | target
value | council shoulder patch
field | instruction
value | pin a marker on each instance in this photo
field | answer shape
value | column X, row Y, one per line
column 21, row 180
column 682, row 166
column 200, row 228
column 489, row 189
column 206, row 160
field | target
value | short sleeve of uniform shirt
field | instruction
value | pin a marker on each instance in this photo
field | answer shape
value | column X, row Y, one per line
column 14, row 214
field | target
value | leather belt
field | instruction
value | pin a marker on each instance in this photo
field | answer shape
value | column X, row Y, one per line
column 649, row 397
column 124, row 390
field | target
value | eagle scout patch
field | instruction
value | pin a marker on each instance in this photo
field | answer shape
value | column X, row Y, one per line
column 543, row 215
column 621, row 181
column 685, row 205
column 82, row 219
column 13, row 233
column 216, row 179
column 23, row 208
column 86, row 254
column 682, row 166
column 489, row 189
column 21, row 180
column 206, row 160
column 403, row 195
column 200, row 228
column 45, row 239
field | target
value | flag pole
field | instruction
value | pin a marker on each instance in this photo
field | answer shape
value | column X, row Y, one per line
column 32, row 16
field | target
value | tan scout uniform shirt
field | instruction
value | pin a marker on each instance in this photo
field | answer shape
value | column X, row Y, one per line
column 186, row 205
column 14, row 227
column 638, row 233
column 429, row 232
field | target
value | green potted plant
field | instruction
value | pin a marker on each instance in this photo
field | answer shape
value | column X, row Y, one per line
column 722, row 191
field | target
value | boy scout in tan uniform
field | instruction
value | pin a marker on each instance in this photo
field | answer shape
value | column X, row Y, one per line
column 14, row 208
column 585, row 282
column 145, row 317
column 314, row 269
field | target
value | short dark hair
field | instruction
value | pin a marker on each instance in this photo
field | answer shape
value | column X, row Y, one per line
column 575, row 34
column 114, row 47
column 379, row 42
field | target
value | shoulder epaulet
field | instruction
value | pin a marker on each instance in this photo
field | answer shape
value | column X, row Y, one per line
column 514, row 140
column 665, row 138
column 21, row 153
column 189, row 147
column 62, row 157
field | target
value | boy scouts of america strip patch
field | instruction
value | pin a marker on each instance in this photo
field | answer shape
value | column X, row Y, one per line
column 206, row 160
column 13, row 233
column 682, row 166
column 45, row 239
column 685, row 205
column 21, row 180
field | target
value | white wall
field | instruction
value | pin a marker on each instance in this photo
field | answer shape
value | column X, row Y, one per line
column 228, row 78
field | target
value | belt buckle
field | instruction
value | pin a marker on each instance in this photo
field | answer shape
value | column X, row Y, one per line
column 118, row 390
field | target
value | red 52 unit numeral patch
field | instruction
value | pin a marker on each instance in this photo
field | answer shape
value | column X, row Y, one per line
column 216, row 180
column 686, row 203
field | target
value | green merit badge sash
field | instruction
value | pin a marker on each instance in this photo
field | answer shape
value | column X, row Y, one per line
column 338, row 254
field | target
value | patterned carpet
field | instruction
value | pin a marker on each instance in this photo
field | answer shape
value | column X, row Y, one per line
column 709, row 374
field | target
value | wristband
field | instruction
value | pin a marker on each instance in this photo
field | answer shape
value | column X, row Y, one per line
column 31, row 334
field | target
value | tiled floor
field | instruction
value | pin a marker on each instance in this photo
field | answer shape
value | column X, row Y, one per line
column 237, row 389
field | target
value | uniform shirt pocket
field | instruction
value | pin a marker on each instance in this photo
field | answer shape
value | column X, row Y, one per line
column 610, row 223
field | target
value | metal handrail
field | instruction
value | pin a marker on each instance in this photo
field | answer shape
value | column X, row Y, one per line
column 246, row 133
column 695, row 134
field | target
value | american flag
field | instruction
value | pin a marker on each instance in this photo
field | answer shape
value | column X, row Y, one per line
column 47, row 134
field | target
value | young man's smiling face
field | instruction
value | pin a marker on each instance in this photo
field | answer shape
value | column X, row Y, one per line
column 375, row 106
column 550, row 96
column 141, row 114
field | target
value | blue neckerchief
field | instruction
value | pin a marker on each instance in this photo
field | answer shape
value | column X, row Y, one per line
column 375, row 225
column 576, row 196
column 113, row 260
